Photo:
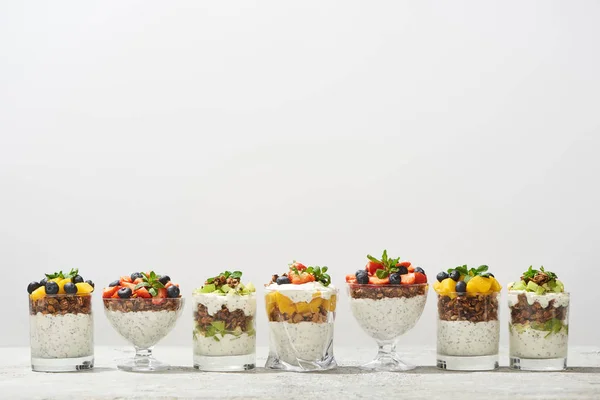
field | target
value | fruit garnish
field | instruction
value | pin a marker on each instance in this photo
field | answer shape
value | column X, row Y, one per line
column 224, row 283
column 538, row 281
column 470, row 273
column 385, row 266
column 72, row 274
column 462, row 280
column 319, row 273
column 150, row 281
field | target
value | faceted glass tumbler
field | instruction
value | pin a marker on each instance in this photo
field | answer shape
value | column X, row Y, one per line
column 468, row 331
column 538, row 330
column 61, row 333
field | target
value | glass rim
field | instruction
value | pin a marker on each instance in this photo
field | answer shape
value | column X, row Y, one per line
column 327, row 288
column 387, row 285
column 470, row 293
column 533, row 293
column 62, row 295
column 225, row 294
column 141, row 298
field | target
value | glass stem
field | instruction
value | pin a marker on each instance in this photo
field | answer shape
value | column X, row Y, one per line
column 143, row 355
column 386, row 350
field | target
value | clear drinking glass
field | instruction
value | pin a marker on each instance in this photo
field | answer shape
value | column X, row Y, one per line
column 539, row 330
column 468, row 331
column 386, row 312
column 301, row 329
column 143, row 322
column 224, row 332
column 61, row 332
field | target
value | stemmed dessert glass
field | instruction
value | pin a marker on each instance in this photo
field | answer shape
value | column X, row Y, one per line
column 143, row 322
column 386, row 312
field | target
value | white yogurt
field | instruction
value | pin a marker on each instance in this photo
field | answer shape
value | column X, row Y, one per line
column 143, row 328
column 560, row 299
column 303, row 292
column 61, row 336
column 214, row 302
column 228, row 345
column 389, row 317
column 526, row 342
column 304, row 341
column 466, row 338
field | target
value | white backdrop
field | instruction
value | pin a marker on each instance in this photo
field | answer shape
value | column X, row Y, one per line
column 192, row 137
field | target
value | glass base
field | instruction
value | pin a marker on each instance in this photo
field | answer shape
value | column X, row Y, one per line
column 467, row 363
column 225, row 363
column 389, row 362
column 538, row 364
column 62, row 364
column 273, row 362
column 143, row 364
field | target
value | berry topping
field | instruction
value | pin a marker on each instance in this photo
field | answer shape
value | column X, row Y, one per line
column 420, row 270
column 408, row 279
column 43, row 282
column 441, row 276
column 135, row 276
column 137, row 285
column 362, row 277
column 461, row 287
column 391, row 271
column 395, row 278
column 172, row 292
column 538, row 281
column 70, row 288
column 125, row 293
column 89, row 282
column 51, row 287
column 32, row 286
column 113, row 283
column 77, row 279
column 402, row 270
column 299, row 274
column 283, row 280
column 164, row 279
column 454, row 275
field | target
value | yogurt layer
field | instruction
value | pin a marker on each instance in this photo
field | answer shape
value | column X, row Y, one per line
column 228, row 345
column 389, row 317
column 307, row 341
column 61, row 336
column 143, row 328
column 532, row 343
column 560, row 299
column 304, row 292
column 214, row 302
column 465, row 338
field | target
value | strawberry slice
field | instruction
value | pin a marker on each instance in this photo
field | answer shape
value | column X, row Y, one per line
column 408, row 279
column 143, row 292
column 374, row 280
column 160, row 297
column 420, row 278
column 403, row 264
column 138, row 280
column 351, row 278
column 171, row 284
column 115, row 295
column 124, row 279
column 410, row 269
column 109, row 291
column 130, row 285
column 299, row 266
column 303, row 277
column 373, row 266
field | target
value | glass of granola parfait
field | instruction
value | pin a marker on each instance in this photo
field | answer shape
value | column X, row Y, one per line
column 387, row 299
column 301, row 311
column 224, row 324
column 468, row 330
column 143, row 308
column 61, row 325
column 539, row 322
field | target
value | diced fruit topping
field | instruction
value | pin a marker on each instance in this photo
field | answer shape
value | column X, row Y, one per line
column 283, row 280
column 136, row 275
column 164, row 279
column 109, row 291
column 52, row 287
column 299, row 273
column 539, row 282
column 225, row 283
column 77, row 279
column 70, row 288
column 388, row 271
column 32, row 286
column 89, row 282
column 173, row 292
column 125, row 293
column 137, row 285
column 463, row 280
column 38, row 293
column 114, row 283
column 58, row 283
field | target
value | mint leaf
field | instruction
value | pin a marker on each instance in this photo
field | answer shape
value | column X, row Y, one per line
column 236, row 274
column 482, row 268
column 141, row 285
column 153, row 292
column 381, row 273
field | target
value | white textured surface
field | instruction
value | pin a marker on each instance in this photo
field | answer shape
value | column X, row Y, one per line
column 17, row 381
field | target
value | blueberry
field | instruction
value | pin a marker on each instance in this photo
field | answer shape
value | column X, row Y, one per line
column 43, row 282
column 172, row 292
column 125, row 293
column 402, row 270
column 441, row 276
column 395, row 279
column 77, row 279
column 70, row 288
column 455, row 275
column 32, row 286
column 419, row 269
column 51, row 287
column 136, row 275
column 90, row 283
column 114, row 283
column 282, row 280
column 362, row 277
column 461, row 287
column 164, row 279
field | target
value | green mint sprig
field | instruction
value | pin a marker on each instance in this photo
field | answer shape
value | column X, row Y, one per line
column 151, row 282
column 531, row 273
column 472, row 272
column 320, row 273
column 390, row 265
column 73, row 273
column 226, row 274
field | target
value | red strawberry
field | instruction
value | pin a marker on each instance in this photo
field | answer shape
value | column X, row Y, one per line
column 109, row 291
column 298, row 266
column 410, row 269
column 302, row 277
column 404, row 264
column 408, row 279
column 374, row 280
column 124, row 279
column 160, row 297
column 420, row 278
column 138, row 280
column 351, row 278
column 373, row 266
column 143, row 292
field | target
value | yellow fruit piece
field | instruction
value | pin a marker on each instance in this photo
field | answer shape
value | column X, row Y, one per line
column 437, row 286
column 496, row 287
column 316, row 294
column 84, row 288
column 315, row 304
column 303, row 307
column 332, row 303
column 61, row 285
column 479, row 284
column 38, row 293
column 285, row 304
column 447, row 286
column 55, row 280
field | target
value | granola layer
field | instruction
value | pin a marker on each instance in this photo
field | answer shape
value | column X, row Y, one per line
column 391, row 291
column 232, row 320
column 318, row 317
column 61, row 305
column 473, row 308
column 523, row 312
column 140, row 304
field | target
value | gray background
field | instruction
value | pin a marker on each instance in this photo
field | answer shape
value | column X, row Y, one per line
column 191, row 137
